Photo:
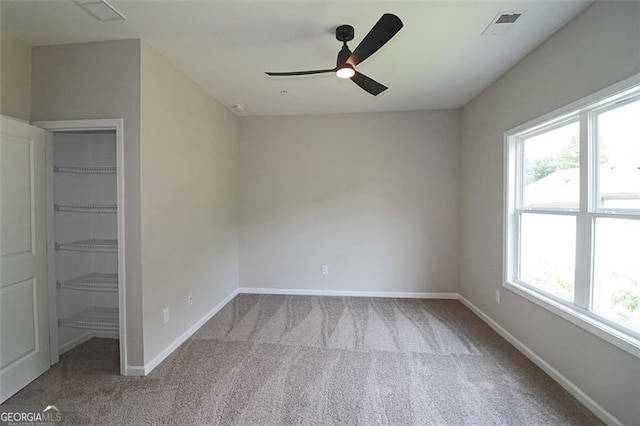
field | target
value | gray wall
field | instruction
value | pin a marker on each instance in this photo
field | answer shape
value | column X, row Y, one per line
column 15, row 78
column 374, row 196
column 189, row 161
column 598, row 48
column 101, row 80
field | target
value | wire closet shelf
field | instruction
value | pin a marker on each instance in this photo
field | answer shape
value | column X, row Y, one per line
column 95, row 318
column 90, row 246
column 92, row 170
column 87, row 208
column 94, row 281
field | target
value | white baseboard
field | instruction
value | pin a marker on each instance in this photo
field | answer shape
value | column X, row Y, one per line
column 67, row 346
column 134, row 371
column 148, row 367
column 569, row 386
column 305, row 292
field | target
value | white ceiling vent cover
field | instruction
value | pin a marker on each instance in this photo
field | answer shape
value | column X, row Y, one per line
column 101, row 10
column 503, row 22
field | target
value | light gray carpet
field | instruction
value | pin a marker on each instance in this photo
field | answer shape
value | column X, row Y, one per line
column 317, row 360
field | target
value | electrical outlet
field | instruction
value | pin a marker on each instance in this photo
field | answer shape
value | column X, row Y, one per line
column 189, row 299
column 325, row 269
column 497, row 296
column 165, row 315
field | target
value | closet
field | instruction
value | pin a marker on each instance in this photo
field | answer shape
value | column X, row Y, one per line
column 62, row 245
column 84, row 212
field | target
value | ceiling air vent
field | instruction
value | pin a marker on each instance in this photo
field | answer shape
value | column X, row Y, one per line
column 100, row 9
column 502, row 23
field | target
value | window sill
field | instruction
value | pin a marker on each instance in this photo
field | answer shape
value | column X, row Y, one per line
column 592, row 325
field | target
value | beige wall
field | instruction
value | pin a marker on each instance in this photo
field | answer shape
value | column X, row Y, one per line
column 101, row 80
column 15, row 78
column 188, row 185
column 374, row 196
column 598, row 48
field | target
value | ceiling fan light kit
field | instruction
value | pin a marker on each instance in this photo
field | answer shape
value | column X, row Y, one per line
column 386, row 27
column 345, row 71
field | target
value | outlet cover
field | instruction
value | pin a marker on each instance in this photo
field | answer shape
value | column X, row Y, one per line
column 190, row 300
column 325, row 269
column 165, row 315
column 497, row 296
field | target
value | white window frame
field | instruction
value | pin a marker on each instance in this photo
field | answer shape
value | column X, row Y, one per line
column 578, row 311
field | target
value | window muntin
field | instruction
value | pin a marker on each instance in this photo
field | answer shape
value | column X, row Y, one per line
column 595, row 276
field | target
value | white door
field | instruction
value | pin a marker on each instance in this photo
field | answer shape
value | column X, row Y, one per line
column 24, row 318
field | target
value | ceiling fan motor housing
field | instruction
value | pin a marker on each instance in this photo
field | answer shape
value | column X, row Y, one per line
column 344, row 33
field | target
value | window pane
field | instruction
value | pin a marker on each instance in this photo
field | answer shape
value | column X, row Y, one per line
column 616, row 293
column 547, row 253
column 551, row 168
column 619, row 157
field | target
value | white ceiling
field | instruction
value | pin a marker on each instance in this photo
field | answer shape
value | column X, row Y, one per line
column 438, row 60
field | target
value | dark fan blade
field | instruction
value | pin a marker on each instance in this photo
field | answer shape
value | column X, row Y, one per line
column 380, row 34
column 368, row 84
column 281, row 74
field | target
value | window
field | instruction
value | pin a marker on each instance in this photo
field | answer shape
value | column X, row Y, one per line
column 572, row 217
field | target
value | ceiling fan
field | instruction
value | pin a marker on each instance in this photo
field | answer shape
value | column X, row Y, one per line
column 386, row 27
